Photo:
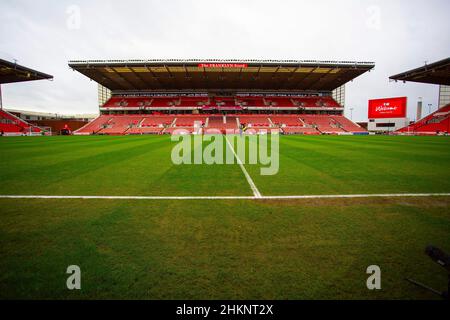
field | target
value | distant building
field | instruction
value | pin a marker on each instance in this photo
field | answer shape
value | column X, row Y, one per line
column 36, row 116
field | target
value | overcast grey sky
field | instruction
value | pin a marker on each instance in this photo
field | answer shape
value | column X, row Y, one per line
column 395, row 34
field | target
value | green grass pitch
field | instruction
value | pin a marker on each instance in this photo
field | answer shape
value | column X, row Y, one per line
column 221, row 249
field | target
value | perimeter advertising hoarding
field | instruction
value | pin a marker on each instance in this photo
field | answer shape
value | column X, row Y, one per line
column 388, row 108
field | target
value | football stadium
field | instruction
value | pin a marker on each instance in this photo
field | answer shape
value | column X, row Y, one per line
column 157, row 97
column 111, row 199
column 233, row 159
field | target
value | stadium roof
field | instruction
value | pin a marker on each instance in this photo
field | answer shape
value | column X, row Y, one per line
column 434, row 73
column 12, row 72
column 254, row 75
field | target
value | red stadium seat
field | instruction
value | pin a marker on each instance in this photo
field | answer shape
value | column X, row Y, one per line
column 437, row 122
column 10, row 124
column 162, row 122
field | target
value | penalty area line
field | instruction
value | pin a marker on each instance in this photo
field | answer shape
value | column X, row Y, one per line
column 337, row 196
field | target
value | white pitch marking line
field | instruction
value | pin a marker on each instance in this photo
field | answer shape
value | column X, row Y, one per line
column 354, row 196
column 129, row 197
column 347, row 196
column 255, row 190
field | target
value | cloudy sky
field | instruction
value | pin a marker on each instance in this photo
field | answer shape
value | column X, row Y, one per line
column 395, row 34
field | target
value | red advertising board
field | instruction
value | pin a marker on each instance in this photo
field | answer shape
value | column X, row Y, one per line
column 388, row 108
column 223, row 65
